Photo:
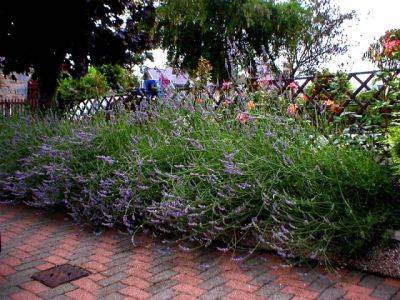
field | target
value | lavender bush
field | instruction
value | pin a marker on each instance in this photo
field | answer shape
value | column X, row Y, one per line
column 236, row 176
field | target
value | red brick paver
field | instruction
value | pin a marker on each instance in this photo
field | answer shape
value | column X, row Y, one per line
column 34, row 240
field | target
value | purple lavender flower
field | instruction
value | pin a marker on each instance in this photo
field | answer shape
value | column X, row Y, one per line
column 247, row 227
column 231, row 168
column 244, row 186
column 106, row 159
column 196, row 144
column 241, row 208
column 126, row 221
column 84, row 136
column 125, row 192
column 223, row 249
column 47, row 150
column 268, row 133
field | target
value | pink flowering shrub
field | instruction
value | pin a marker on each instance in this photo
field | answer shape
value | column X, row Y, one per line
column 386, row 51
column 382, row 106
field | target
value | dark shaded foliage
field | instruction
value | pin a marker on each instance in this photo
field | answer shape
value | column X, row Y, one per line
column 45, row 34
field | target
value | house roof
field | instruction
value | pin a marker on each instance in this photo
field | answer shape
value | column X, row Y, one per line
column 179, row 78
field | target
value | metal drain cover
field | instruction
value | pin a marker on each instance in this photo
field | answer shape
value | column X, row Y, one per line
column 60, row 274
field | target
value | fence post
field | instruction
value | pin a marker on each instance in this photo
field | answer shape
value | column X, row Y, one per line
column 33, row 94
column 7, row 111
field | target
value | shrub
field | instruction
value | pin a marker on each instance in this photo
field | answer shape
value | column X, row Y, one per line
column 328, row 86
column 203, row 177
column 92, row 85
column 394, row 141
column 385, row 52
column 119, row 79
column 98, row 82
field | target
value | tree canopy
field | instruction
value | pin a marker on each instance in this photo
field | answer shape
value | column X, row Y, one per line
column 319, row 39
column 190, row 29
column 42, row 35
column 300, row 33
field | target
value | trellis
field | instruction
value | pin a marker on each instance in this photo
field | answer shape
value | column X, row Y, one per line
column 106, row 104
column 361, row 81
column 92, row 106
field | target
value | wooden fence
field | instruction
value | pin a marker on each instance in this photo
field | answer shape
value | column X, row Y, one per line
column 17, row 104
column 12, row 105
column 360, row 82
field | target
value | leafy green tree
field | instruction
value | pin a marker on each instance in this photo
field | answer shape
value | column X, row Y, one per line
column 42, row 35
column 119, row 78
column 296, row 35
column 191, row 29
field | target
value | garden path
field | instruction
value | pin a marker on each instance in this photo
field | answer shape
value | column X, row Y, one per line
column 34, row 240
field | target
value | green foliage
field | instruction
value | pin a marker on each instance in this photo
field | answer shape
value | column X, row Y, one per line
column 272, row 181
column 211, row 25
column 320, row 37
column 302, row 34
column 385, row 52
column 93, row 84
column 98, row 82
column 110, row 31
column 367, row 123
column 118, row 78
column 18, row 134
column 328, row 86
column 383, row 104
column 394, row 144
column 394, row 141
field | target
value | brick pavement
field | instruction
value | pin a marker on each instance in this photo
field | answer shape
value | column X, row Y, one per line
column 35, row 240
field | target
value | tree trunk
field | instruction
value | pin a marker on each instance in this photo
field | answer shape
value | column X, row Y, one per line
column 47, row 78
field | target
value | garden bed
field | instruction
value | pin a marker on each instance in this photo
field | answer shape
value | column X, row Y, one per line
column 202, row 177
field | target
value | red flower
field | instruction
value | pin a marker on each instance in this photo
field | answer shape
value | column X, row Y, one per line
column 250, row 105
column 293, row 86
column 242, row 118
column 391, row 46
column 164, row 81
column 329, row 103
column 304, row 97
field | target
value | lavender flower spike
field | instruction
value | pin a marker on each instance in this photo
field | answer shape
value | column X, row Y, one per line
column 106, row 159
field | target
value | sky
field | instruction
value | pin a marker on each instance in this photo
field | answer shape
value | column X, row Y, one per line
column 375, row 17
